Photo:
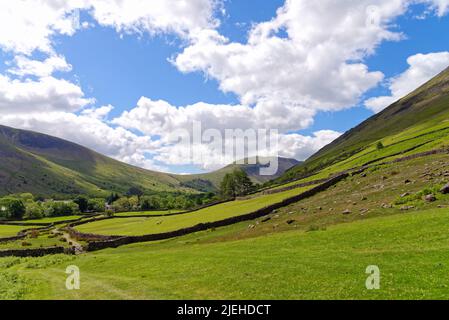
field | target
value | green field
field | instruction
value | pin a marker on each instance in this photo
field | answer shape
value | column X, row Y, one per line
column 410, row 250
column 10, row 231
column 146, row 213
column 41, row 241
column 51, row 220
column 142, row 226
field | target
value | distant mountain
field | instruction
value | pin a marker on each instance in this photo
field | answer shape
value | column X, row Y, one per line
column 53, row 167
column 421, row 117
column 47, row 166
column 212, row 180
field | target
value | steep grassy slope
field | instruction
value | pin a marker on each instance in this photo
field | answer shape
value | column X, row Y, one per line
column 418, row 122
column 48, row 166
column 45, row 165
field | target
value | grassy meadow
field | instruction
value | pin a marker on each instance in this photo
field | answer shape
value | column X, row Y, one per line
column 410, row 250
column 142, row 226
column 147, row 213
column 10, row 231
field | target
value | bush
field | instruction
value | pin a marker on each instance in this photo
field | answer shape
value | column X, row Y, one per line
column 34, row 210
column 380, row 146
column 82, row 203
column 96, row 205
column 60, row 208
column 417, row 198
column 109, row 213
column 122, row 205
column 34, row 234
column 12, row 208
column 150, row 203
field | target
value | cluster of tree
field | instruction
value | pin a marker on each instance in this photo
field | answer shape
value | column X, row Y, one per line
column 87, row 205
column 136, row 201
column 236, row 184
column 24, row 206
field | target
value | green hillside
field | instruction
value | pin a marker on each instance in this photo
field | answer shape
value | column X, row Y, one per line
column 418, row 122
column 48, row 166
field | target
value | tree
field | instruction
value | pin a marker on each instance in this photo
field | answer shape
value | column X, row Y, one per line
column 134, row 202
column 380, row 145
column 150, row 203
column 227, row 186
column 236, row 184
column 122, row 205
column 96, row 205
column 82, row 202
column 243, row 183
column 134, row 191
column 33, row 211
column 112, row 198
column 60, row 208
column 11, row 208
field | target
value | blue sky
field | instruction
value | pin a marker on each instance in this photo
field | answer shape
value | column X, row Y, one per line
column 138, row 66
column 118, row 67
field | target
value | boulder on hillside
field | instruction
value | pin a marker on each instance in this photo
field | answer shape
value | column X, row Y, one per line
column 445, row 189
column 347, row 211
column 430, row 198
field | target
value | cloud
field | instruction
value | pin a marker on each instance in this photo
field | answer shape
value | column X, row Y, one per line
column 181, row 17
column 422, row 68
column 440, row 6
column 98, row 113
column 302, row 147
column 29, row 25
column 27, row 67
column 209, row 158
column 296, row 59
column 43, row 95
column 159, row 118
column 308, row 58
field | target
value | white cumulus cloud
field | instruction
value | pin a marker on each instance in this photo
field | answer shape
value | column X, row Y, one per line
column 422, row 68
column 43, row 95
column 309, row 58
column 28, row 67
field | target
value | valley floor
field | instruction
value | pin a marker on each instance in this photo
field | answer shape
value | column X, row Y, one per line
column 318, row 248
column 411, row 251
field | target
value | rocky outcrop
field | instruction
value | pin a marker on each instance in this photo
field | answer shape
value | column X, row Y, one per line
column 445, row 189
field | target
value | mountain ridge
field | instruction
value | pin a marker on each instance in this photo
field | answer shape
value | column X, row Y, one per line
column 425, row 107
column 49, row 166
